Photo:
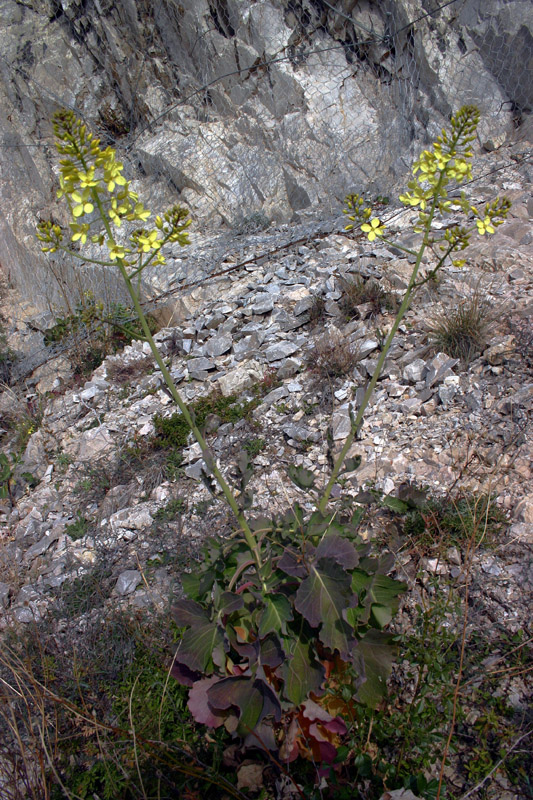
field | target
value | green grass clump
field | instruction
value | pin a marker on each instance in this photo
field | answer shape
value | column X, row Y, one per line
column 174, row 431
column 463, row 331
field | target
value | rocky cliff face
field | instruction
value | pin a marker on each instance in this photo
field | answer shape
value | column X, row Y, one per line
column 248, row 112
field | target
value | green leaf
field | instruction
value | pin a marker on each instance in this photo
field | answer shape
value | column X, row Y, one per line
column 301, row 672
column 394, row 504
column 275, row 616
column 351, row 464
column 374, row 656
column 229, row 602
column 322, row 599
column 203, row 642
column 200, row 646
column 303, row 478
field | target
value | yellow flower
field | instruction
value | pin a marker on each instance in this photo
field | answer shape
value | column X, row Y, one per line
column 484, row 226
column 373, row 229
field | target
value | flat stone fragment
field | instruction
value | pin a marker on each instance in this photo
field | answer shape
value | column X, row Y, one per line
column 219, row 345
column 280, row 350
column 200, row 364
column 240, row 378
column 127, row 582
column 301, row 433
column 413, row 372
column 341, row 423
column 263, row 303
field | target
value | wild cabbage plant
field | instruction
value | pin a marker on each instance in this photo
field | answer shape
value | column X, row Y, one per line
column 289, row 607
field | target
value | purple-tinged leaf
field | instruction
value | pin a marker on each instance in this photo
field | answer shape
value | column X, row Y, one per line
column 271, row 652
column 295, row 562
column 276, row 614
column 183, row 674
column 373, row 657
column 199, row 704
column 229, row 602
column 302, row 674
column 322, row 599
column 198, row 645
column 188, row 612
column 253, row 699
column 339, row 549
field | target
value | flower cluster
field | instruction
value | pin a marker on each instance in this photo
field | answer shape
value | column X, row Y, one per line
column 100, row 199
column 448, row 161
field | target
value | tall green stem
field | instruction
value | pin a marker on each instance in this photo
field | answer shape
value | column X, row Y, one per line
column 356, row 424
column 206, row 453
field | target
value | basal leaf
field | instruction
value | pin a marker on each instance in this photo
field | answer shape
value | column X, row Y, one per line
column 302, row 674
column 198, row 645
column 271, row 652
column 199, row 704
column 188, row 612
column 197, row 584
column 276, row 614
column 394, row 504
column 318, row 524
column 251, row 697
column 294, row 562
column 303, row 478
column 336, row 547
column 322, row 599
column 229, row 602
column 373, row 656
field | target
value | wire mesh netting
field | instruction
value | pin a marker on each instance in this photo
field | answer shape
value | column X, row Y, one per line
column 261, row 116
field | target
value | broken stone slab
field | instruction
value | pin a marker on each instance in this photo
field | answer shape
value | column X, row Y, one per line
column 91, row 444
column 43, row 544
column 301, row 433
column 275, row 396
column 414, row 371
column 412, row 405
column 127, row 582
column 367, row 347
column 439, row 368
column 263, row 303
column 247, row 346
column 341, row 423
column 219, row 345
column 136, row 518
column 446, row 393
column 244, row 376
column 200, row 364
column 280, row 350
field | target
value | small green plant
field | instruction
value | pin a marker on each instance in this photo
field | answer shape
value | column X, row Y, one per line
column 77, row 529
column 254, row 446
column 275, row 613
column 462, row 332
column 171, row 510
column 457, row 520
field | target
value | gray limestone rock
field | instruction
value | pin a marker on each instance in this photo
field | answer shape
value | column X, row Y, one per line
column 413, row 372
column 263, row 303
column 280, row 350
column 127, row 582
column 240, row 378
column 219, row 345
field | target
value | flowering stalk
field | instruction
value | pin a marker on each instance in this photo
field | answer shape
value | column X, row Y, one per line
column 91, row 181
column 448, row 161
